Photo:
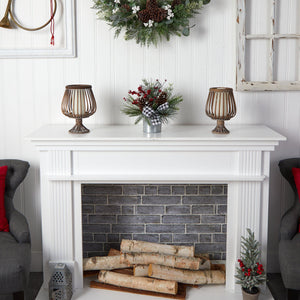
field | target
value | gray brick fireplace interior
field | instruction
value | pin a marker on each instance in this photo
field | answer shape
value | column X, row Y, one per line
column 181, row 214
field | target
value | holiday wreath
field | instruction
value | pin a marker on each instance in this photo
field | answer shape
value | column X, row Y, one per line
column 148, row 21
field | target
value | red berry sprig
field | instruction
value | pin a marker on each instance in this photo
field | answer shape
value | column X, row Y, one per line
column 146, row 96
column 260, row 268
column 249, row 271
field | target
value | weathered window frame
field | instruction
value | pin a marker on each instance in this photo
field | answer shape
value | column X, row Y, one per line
column 270, row 84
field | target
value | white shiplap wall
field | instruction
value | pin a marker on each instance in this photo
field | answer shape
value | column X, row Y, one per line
column 31, row 91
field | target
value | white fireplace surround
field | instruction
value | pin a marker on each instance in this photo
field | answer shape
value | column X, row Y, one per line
column 123, row 154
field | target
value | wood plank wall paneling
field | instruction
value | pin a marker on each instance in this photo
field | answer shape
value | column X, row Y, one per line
column 31, row 91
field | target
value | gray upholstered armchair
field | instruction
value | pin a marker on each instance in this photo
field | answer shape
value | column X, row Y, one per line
column 289, row 246
column 15, row 252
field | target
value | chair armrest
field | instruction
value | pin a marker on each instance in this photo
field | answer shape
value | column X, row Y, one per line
column 16, row 172
column 19, row 228
column 289, row 225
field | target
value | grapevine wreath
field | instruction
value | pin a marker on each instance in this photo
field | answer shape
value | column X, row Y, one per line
column 148, row 21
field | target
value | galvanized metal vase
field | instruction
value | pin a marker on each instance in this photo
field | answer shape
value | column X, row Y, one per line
column 149, row 128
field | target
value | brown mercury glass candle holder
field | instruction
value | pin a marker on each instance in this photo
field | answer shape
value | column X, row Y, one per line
column 220, row 106
column 78, row 103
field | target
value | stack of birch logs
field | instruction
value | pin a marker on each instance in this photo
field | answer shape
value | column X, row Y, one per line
column 156, row 267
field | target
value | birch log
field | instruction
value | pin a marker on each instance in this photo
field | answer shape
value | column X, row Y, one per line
column 140, row 270
column 113, row 252
column 141, row 283
column 205, row 263
column 103, row 263
column 186, row 276
column 180, row 262
column 133, row 246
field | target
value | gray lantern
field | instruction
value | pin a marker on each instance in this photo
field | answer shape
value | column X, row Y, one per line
column 60, row 284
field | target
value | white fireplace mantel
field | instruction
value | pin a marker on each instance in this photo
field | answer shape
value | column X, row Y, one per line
column 123, row 154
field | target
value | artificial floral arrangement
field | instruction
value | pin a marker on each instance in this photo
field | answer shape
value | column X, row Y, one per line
column 250, row 273
column 153, row 101
column 148, row 21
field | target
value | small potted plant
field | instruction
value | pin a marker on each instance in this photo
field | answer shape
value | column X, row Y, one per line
column 250, row 272
column 153, row 102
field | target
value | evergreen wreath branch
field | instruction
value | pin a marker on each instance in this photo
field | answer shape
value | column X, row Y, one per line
column 149, row 21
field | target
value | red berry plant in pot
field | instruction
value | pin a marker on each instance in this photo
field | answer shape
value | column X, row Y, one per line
column 153, row 102
column 250, row 273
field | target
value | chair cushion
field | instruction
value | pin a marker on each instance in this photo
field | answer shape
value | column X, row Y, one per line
column 3, row 221
column 6, row 297
column 296, row 238
column 14, row 264
column 289, row 260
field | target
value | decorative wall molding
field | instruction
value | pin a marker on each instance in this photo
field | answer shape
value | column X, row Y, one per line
column 66, row 24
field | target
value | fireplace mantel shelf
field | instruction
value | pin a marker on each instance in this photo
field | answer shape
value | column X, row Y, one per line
column 239, row 134
column 180, row 154
column 153, row 178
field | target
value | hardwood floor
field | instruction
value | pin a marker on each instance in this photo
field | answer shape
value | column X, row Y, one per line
column 35, row 283
column 276, row 287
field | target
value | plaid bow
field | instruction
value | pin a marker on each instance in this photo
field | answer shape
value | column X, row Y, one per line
column 163, row 107
column 153, row 115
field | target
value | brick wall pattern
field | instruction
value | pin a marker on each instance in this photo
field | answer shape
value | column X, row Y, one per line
column 171, row 214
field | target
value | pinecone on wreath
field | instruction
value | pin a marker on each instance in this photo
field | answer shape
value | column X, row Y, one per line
column 126, row 6
column 151, row 4
column 152, row 12
column 175, row 2
column 158, row 15
column 144, row 15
